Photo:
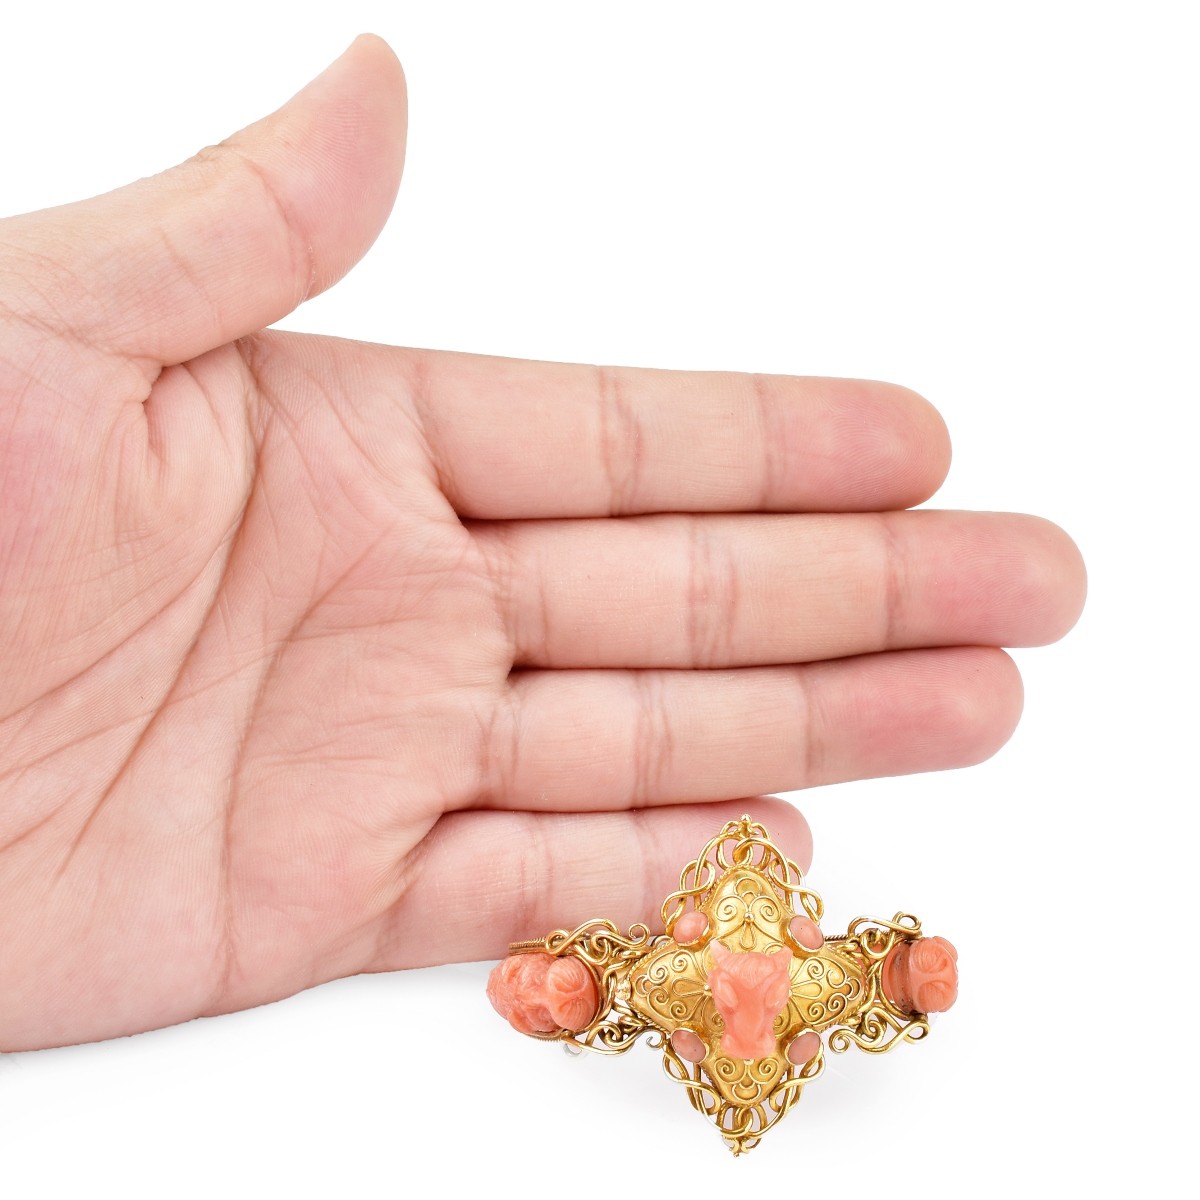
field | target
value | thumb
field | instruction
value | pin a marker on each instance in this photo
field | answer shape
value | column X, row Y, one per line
column 230, row 241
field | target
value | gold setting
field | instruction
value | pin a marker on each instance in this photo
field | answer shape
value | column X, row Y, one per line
column 651, row 984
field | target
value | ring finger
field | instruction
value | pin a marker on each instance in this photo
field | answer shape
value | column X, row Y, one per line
column 573, row 741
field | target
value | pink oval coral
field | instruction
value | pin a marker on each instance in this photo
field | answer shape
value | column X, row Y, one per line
column 688, row 1045
column 807, row 932
column 690, row 927
column 804, row 1048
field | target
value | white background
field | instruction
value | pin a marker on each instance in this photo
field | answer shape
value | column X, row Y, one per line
column 994, row 204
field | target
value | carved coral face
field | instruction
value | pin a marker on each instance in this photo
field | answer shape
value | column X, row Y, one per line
column 539, row 993
column 922, row 976
column 750, row 990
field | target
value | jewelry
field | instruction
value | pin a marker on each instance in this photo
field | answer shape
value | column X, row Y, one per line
column 740, row 990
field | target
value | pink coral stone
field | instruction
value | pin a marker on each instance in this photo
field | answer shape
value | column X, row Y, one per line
column 921, row 976
column 571, row 994
column 807, row 932
column 688, row 1045
column 512, row 984
column 804, row 1048
column 539, row 993
column 690, row 927
column 749, row 989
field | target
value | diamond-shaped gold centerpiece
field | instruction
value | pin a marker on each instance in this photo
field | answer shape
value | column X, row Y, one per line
column 746, row 914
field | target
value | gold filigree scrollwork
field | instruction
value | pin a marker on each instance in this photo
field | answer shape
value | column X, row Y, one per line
column 742, row 1125
column 879, row 1029
column 742, row 843
column 877, row 1025
column 609, row 954
column 877, row 937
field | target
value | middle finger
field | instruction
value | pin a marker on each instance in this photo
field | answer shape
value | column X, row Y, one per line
column 732, row 590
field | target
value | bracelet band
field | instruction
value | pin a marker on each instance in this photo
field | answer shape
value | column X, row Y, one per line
column 743, row 991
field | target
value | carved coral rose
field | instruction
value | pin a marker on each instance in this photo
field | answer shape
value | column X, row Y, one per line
column 571, row 994
column 921, row 976
column 539, row 993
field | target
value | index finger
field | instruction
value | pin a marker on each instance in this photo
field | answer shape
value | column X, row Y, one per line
column 513, row 439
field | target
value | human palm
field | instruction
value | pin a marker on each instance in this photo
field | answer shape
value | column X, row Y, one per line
column 320, row 657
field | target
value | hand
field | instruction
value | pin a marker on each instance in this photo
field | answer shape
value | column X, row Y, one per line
column 320, row 657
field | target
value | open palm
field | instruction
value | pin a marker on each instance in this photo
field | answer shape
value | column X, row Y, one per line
column 319, row 657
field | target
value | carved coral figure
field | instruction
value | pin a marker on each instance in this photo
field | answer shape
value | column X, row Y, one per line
column 922, row 976
column 539, row 993
column 750, row 990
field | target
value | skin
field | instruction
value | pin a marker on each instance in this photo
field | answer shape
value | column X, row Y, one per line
column 319, row 657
